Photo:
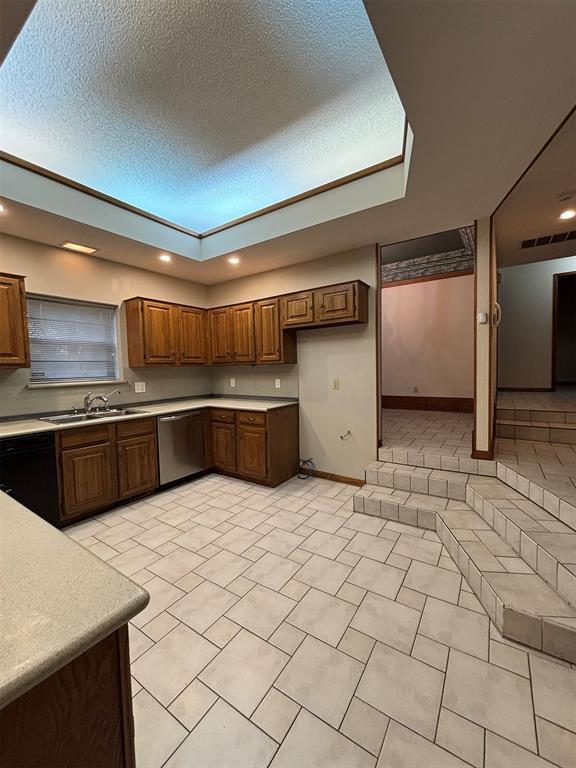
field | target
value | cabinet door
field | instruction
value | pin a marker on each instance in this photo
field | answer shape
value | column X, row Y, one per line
column 88, row 479
column 298, row 309
column 137, row 465
column 268, row 335
column 334, row 303
column 159, row 333
column 13, row 323
column 243, row 338
column 220, row 335
column 252, row 451
column 224, row 446
column 192, row 328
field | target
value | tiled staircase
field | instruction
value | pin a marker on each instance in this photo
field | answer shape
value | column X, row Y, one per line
column 515, row 545
column 544, row 426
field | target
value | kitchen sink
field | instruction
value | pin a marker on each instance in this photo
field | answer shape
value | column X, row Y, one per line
column 72, row 418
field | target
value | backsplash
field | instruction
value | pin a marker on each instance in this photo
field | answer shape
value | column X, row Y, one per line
column 161, row 384
column 255, row 380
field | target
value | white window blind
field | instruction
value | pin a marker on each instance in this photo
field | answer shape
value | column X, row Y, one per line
column 71, row 341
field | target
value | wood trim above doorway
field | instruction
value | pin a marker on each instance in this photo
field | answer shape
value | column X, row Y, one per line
column 424, row 403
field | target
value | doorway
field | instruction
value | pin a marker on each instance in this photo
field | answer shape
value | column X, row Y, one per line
column 564, row 331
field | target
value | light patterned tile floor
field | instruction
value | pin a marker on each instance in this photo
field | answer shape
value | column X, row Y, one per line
column 283, row 630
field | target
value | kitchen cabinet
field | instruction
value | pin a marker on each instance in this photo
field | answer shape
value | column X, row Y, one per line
column 242, row 333
column 273, row 343
column 220, row 333
column 341, row 304
column 164, row 334
column 81, row 715
column 224, row 446
column 192, row 333
column 102, row 464
column 14, row 345
column 251, row 451
column 298, row 309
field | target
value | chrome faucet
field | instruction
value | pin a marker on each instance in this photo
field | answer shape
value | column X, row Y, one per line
column 90, row 399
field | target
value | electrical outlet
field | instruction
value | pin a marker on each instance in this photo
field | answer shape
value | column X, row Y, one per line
column 232, row 382
column 277, row 383
column 415, row 390
column 336, row 384
column 139, row 387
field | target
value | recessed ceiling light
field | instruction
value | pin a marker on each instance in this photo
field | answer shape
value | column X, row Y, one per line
column 569, row 213
column 233, row 260
column 2, row 209
column 165, row 257
column 77, row 247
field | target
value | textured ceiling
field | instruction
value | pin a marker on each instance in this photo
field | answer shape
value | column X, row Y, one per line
column 199, row 111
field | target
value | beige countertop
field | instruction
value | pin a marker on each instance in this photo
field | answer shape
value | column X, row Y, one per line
column 57, row 599
column 31, row 426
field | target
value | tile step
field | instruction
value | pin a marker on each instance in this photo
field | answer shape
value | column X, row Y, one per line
column 521, row 604
column 525, row 414
column 436, row 459
column 543, row 541
column 403, row 477
column 546, row 432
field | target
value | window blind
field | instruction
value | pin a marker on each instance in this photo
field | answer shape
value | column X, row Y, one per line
column 71, row 341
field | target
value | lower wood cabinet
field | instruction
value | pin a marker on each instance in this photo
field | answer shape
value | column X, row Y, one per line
column 103, row 464
column 79, row 716
column 252, row 456
column 224, row 446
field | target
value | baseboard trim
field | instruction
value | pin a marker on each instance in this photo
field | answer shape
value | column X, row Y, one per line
column 338, row 478
column 489, row 455
column 424, row 403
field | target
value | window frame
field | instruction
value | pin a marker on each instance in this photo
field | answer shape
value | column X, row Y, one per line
column 49, row 384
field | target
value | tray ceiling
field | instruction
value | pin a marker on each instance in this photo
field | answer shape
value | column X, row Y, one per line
column 199, row 111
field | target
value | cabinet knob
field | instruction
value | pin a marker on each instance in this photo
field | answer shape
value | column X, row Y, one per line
column 251, row 418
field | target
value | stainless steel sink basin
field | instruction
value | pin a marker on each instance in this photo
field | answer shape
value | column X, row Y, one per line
column 72, row 418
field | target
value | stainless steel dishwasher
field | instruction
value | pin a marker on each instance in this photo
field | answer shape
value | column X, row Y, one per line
column 181, row 445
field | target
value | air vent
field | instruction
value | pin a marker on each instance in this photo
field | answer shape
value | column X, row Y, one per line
column 534, row 242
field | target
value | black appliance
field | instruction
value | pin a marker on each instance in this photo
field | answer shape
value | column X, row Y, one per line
column 28, row 473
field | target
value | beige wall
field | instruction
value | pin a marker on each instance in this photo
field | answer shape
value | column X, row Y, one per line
column 525, row 336
column 54, row 272
column 347, row 354
column 428, row 338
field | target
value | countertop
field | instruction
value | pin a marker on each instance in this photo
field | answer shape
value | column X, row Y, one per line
column 57, row 599
column 31, row 426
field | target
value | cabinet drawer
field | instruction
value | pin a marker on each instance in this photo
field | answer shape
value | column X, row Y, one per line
column 220, row 414
column 136, row 427
column 72, row 438
column 252, row 418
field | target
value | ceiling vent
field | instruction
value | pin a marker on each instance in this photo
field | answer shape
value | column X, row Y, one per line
column 534, row 242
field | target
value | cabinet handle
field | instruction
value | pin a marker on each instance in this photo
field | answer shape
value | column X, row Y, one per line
column 251, row 418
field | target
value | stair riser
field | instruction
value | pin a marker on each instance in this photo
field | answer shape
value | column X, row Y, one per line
column 437, row 461
column 400, row 513
column 542, row 433
column 556, row 417
column 415, row 484
column 547, row 566
column 534, row 631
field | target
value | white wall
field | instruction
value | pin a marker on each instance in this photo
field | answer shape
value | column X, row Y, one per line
column 525, row 339
column 428, row 338
column 347, row 353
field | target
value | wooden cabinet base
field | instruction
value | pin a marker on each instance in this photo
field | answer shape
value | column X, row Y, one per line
column 79, row 717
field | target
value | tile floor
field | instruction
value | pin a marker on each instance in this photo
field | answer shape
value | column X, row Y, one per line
column 284, row 630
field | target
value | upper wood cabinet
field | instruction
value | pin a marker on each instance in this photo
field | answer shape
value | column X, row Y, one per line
column 192, row 332
column 298, row 309
column 220, row 335
column 14, row 348
column 242, row 331
column 273, row 344
column 341, row 304
column 160, row 333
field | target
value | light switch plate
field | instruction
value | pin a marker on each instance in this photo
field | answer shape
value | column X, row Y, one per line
column 277, row 383
column 139, row 387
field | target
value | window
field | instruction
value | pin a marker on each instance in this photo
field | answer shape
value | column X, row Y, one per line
column 71, row 341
